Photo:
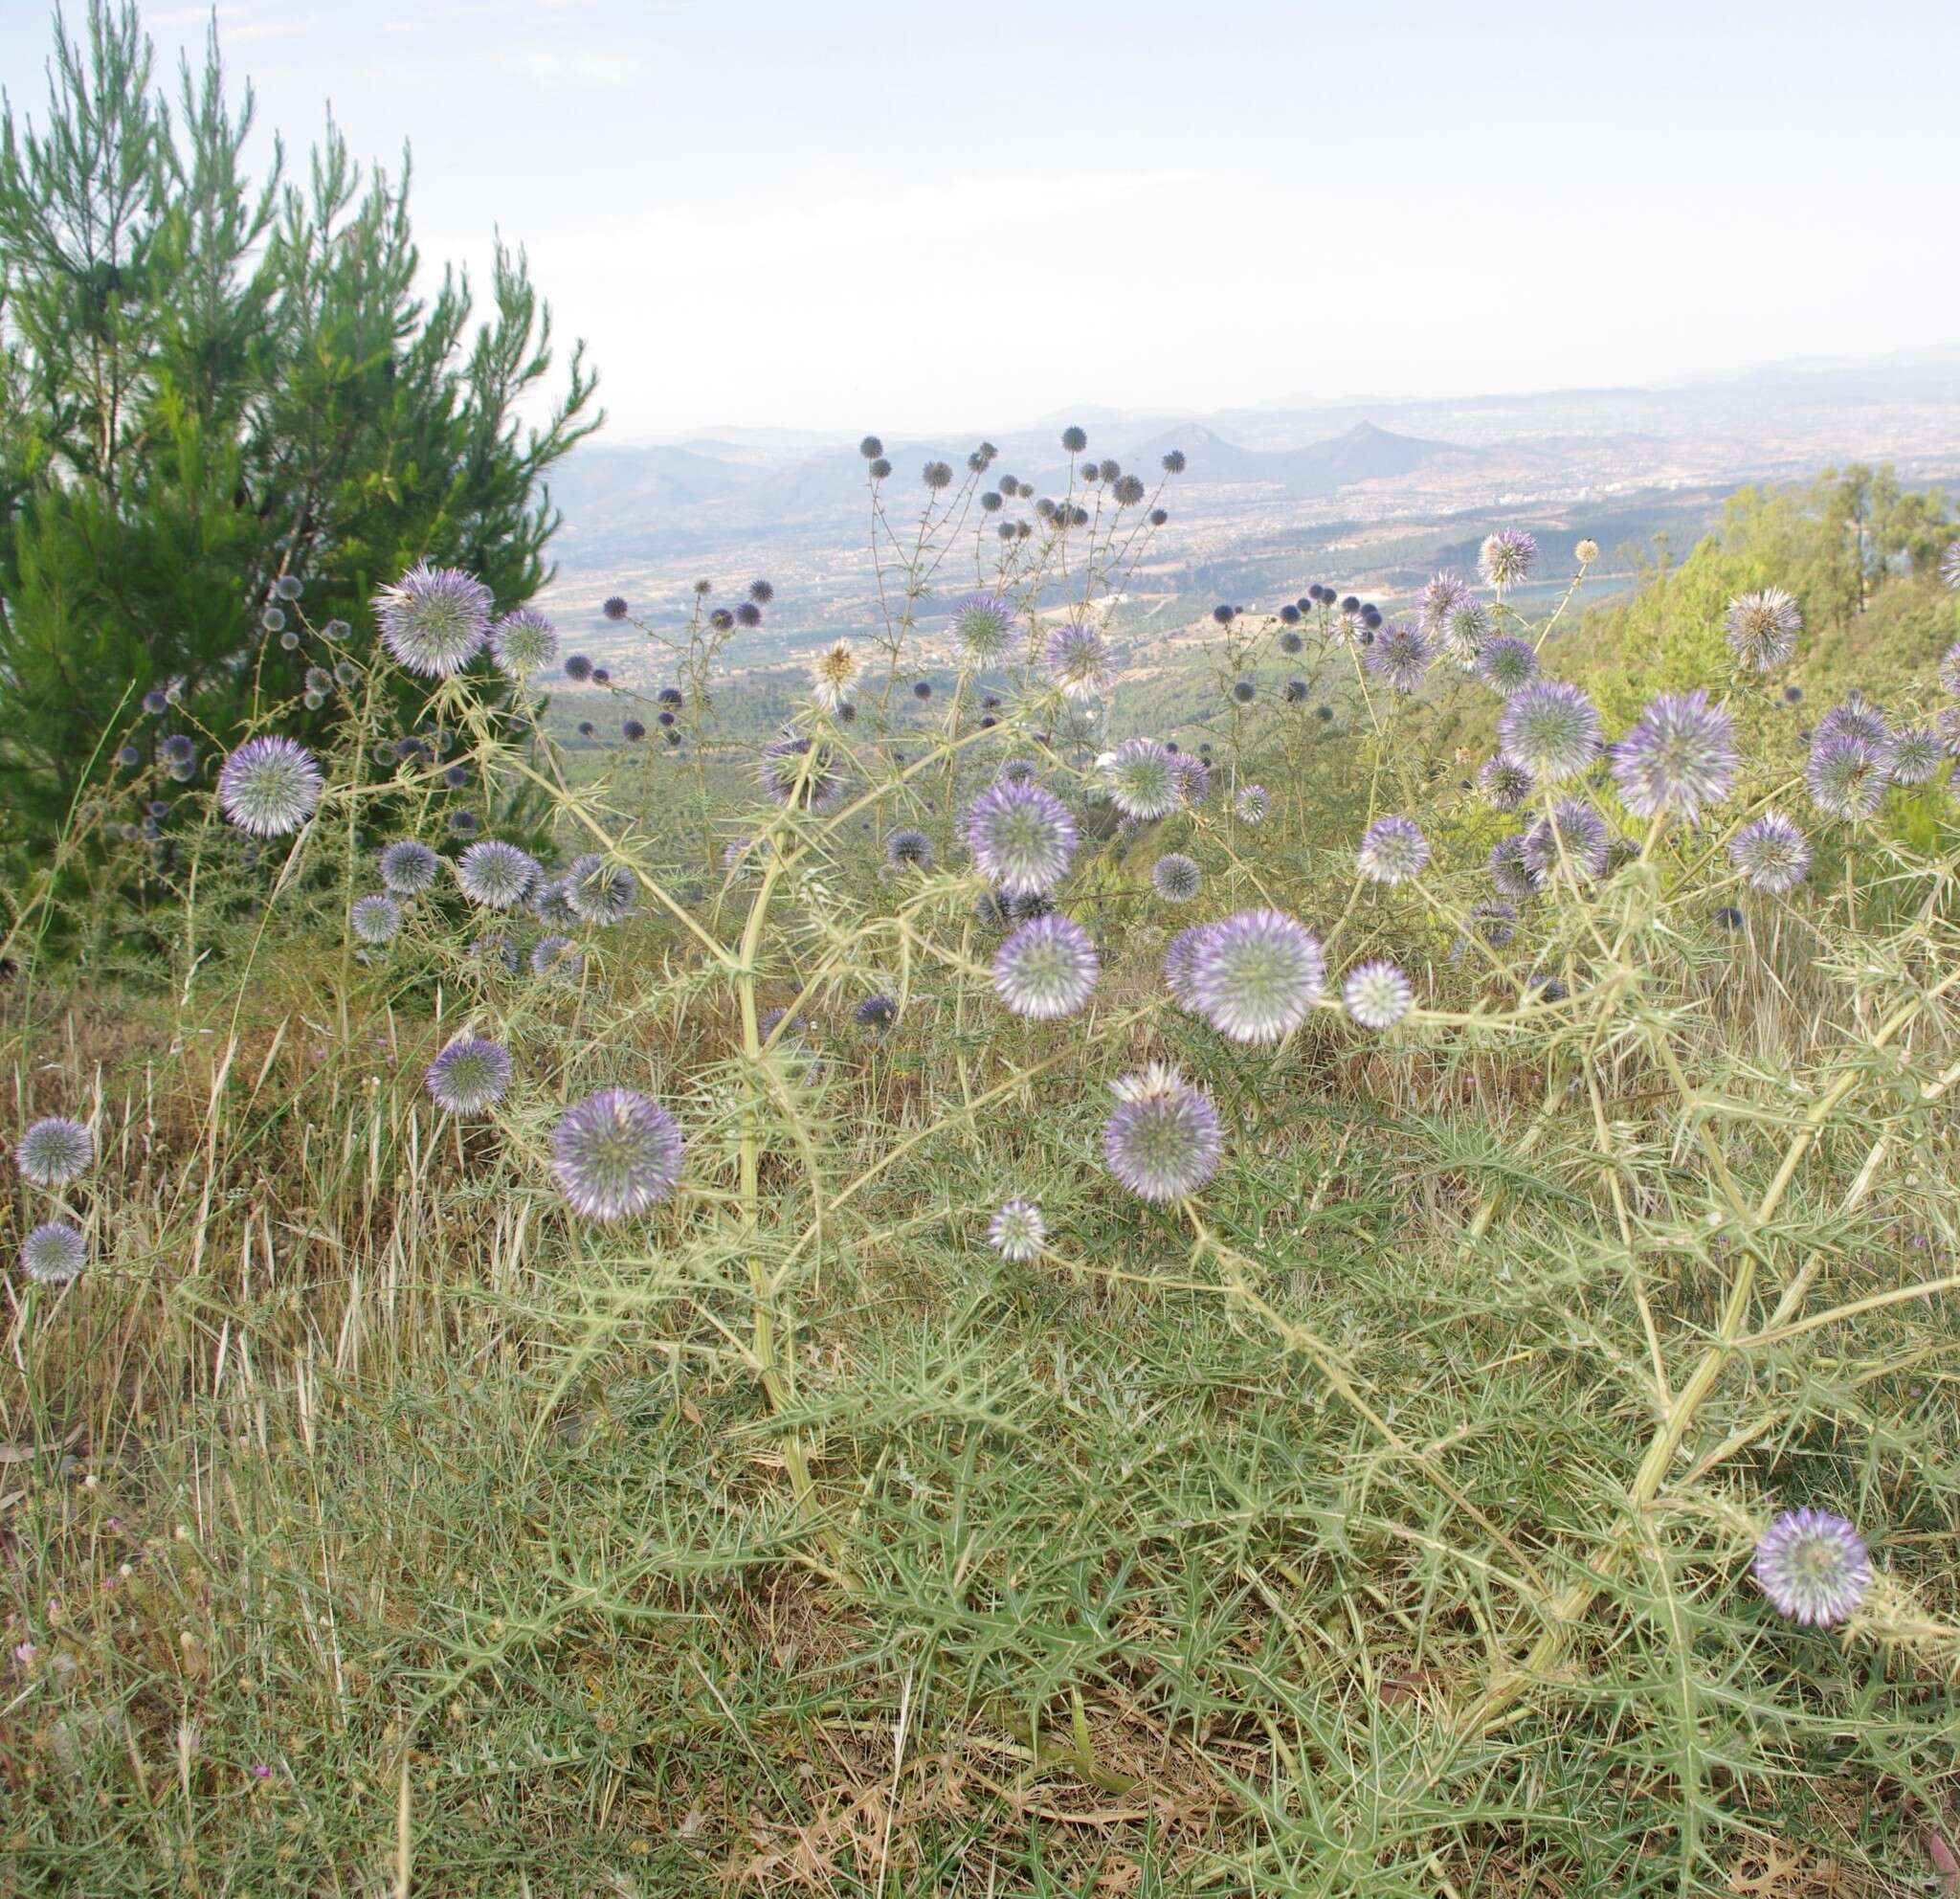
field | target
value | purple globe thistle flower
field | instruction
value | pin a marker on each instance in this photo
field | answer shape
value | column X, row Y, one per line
column 614, row 607
column 1771, row 852
column 617, row 1153
column 434, row 619
column 1017, row 1232
column 128, row 757
column 319, row 681
column 1291, row 642
column 1847, row 777
column 1180, row 961
column 922, row 689
column 587, row 730
column 1814, row 1567
column 1255, row 975
column 469, row 1075
column 1506, row 785
column 631, row 730
column 1047, row 968
column 578, row 668
column 1915, row 755
column 1163, row 1140
column 983, row 626
column 1762, row 628
column 599, row 892
column 375, row 919
column 455, row 777
column 1253, row 804
column 1142, row 779
column 1177, row 878
column 1393, row 850
column 556, row 956
column 56, row 1151
column 156, row 703
column 1244, row 692
column 908, row 849
column 497, row 875
column 1444, row 593
column 1017, row 771
column 601, row 676
column 1021, row 837
column 1401, row 655
column 1511, row 868
column 876, row 1014
column 1507, row 666
column 936, row 475
column 288, row 586
column 805, row 778
column 494, row 946
column 1947, row 722
column 1077, row 660
column 1856, row 718
column 1678, row 758
column 1128, row 491
column 274, row 620
column 1377, row 994
column 526, row 642
column 1950, row 668
column 1551, row 730
column 1506, row 558
column 1496, row 923
column 1193, row 778
column 551, row 905
column 1949, row 565
column 53, row 1254
column 463, row 822
column 1570, row 841
column 1465, row 632
column 270, row 785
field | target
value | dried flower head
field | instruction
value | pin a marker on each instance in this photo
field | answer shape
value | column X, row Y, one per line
column 832, row 673
column 1762, row 628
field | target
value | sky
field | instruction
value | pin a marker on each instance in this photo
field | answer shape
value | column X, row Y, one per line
column 776, row 213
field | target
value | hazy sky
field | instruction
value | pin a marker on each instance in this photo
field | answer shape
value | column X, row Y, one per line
column 965, row 215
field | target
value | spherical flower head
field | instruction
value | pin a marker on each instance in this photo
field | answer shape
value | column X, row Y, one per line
column 1401, row 655
column 908, row 849
column 1507, row 666
column 1164, row 1141
column 375, row 919
column 1570, row 842
column 1255, row 975
column 1496, row 923
column 556, row 956
column 522, row 643
column 497, row 875
column 1511, row 868
column 614, row 607
column 832, row 673
column 1586, row 552
column 470, row 1075
column 578, row 668
column 936, row 475
column 598, row 892
column 1444, row 593
column 435, row 619
column 1180, row 961
column 1771, row 852
column 180, row 749
column 53, row 1254
column 1128, row 491
column 1551, row 730
column 1506, row 785
column 270, row 785
column 1506, row 558
column 1143, row 779
column 1814, row 1567
column 871, row 448
column 551, row 905
column 1950, row 668
column 128, row 757
column 876, row 1014
column 1847, row 777
column 1177, row 878
column 408, row 869
column 56, row 1151
column 1465, row 632
column 1075, row 440
column 1679, row 757
column 1950, row 566
column 1377, row 994
column 1077, row 660
column 1393, row 850
column 1021, row 836
column 631, row 730
column 1193, row 778
column 1856, row 718
column 156, row 702
column 1017, row 1232
column 1915, row 755
column 616, row 1154
column 1762, row 628
column 1047, row 968
column 798, row 773
column 1253, row 804
column 982, row 626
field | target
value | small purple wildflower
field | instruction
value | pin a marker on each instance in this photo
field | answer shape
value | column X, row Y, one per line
column 522, row 643
column 1177, row 878
column 56, row 1151
column 1762, row 628
column 1377, row 994
column 1771, row 852
column 470, row 1075
column 54, row 1253
column 1551, row 730
column 1506, row 558
column 497, row 875
column 1847, row 777
column 1814, row 1567
column 1021, row 837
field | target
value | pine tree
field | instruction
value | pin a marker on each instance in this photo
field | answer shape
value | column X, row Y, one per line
column 209, row 386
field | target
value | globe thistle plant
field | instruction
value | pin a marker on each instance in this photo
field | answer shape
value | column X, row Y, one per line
column 1762, row 629
column 1180, row 961
column 1464, row 632
column 1569, row 841
column 1507, row 666
column 53, row 1254
column 1914, row 756
column 1017, row 1232
column 556, row 956
column 1253, row 804
column 1507, row 786
column 876, row 1016
column 1551, row 730
column 1046, row 969
column 1255, row 975
column 833, row 674
column 1855, row 718
column 1950, row 668
column 1142, row 779
column 1177, row 878
column 1814, row 1567
column 1163, row 1140
column 496, row 875
column 375, row 920
column 1021, row 836
column 598, row 892
column 1771, row 852
column 1847, row 777
column 523, row 642
column 1950, row 566
column 270, row 785
column 470, row 1075
column 1678, row 758
column 908, row 849
column 982, row 626
column 1441, row 596
column 616, row 1154
column 1193, row 778
column 1377, row 994
column 1393, row 850
column 578, row 668
column 1506, row 558
column 1401, row 655
column 1077, row 660
column 56, row 1151
column 803, row 775
column 1511, row 868
column 434, row 619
